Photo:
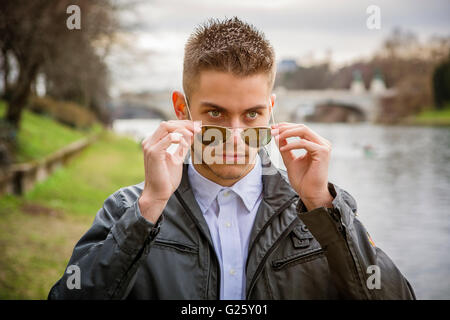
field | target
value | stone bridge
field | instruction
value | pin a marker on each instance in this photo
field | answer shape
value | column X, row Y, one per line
column 155, row 104
column 299, row 104
column 291, row 105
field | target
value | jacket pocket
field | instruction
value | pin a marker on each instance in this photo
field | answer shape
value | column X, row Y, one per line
column 178, row 246
column 297, row 258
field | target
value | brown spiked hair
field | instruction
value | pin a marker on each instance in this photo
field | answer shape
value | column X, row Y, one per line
column 230, row 45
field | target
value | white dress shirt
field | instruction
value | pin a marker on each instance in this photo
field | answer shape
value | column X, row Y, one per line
column 230, row 213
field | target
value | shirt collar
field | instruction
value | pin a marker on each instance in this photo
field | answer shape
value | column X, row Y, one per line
column 249, row 188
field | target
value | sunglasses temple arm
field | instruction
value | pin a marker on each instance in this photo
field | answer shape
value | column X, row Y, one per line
column 187, row 107
column 271, row 113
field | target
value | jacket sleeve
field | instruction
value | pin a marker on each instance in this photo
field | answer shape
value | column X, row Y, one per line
column 355, row 262
column 107, row 257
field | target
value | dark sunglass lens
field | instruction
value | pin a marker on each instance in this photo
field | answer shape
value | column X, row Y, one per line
column 265, row 136
column 256, row 137
column 212, row 135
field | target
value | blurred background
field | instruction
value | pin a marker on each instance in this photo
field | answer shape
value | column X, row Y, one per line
column 81, row 86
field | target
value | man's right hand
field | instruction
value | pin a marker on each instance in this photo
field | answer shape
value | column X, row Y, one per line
column 163, row 170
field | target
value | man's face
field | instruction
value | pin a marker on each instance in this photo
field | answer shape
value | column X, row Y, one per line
column 226, row 100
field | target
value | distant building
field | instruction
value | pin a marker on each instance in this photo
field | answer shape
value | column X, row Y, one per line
column 377, row 85
column 287, row 65
column 357, row 85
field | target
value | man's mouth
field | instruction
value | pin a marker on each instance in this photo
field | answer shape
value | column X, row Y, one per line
column 233, row 156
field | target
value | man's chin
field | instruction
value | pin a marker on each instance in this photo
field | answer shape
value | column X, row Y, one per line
column 229, row 171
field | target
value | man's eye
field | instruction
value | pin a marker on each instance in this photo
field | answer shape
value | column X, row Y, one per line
column 214, row 113
column 252, row 114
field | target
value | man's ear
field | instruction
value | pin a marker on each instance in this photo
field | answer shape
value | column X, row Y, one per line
column 179, row 105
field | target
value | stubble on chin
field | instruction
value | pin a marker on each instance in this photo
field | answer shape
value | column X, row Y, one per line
column 230, row 171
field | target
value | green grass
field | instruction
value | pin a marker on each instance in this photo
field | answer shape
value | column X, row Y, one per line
column 432, row 117
column 40, row 136
column 101, row 169
column 428, row 114
column 34, row 250
column 39, row 230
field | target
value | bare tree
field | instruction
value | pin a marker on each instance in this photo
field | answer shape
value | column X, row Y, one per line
column 34, row 32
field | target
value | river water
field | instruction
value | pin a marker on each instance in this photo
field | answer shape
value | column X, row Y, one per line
column 400, row 178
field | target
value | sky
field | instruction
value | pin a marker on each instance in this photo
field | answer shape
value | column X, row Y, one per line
column 306, row 31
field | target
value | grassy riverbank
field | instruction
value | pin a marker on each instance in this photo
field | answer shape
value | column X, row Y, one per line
column 431, row 117
column 40, row 136
column 39, row 230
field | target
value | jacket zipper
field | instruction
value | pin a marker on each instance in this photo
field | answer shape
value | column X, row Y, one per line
column 281, row 263
column 177, row 246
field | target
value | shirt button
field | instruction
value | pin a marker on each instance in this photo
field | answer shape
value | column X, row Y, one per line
column 226, row 193
column 232, row 272
column 227, row 224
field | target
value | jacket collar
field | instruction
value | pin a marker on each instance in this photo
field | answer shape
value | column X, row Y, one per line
column 276, row 193
column 276, row 187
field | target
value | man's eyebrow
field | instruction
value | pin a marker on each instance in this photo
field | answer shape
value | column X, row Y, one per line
column 219, row 108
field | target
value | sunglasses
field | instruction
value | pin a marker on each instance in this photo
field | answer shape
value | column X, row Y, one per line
column 254, row 137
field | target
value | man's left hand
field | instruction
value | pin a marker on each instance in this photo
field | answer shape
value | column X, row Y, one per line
column 308, row 173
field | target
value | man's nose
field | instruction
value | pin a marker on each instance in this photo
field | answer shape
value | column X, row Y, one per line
column 236, row 134
column 236, row 129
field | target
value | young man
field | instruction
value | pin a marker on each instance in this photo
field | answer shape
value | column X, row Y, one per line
column 224, row 229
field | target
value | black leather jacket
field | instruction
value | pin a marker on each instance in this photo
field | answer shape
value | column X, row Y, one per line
column 293, row 254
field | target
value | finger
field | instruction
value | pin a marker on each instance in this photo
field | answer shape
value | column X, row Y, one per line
column 283, row 126
column 183, row 151
column 302, row 132
column 185, row 143
column 279, row 141
column 176, row 147
column 178, row 156
column 169, row 126
column 286, row 125
column 187, row 135
column 287, row 155
column 175, row 159
column 164, row 143
column 309, row 146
